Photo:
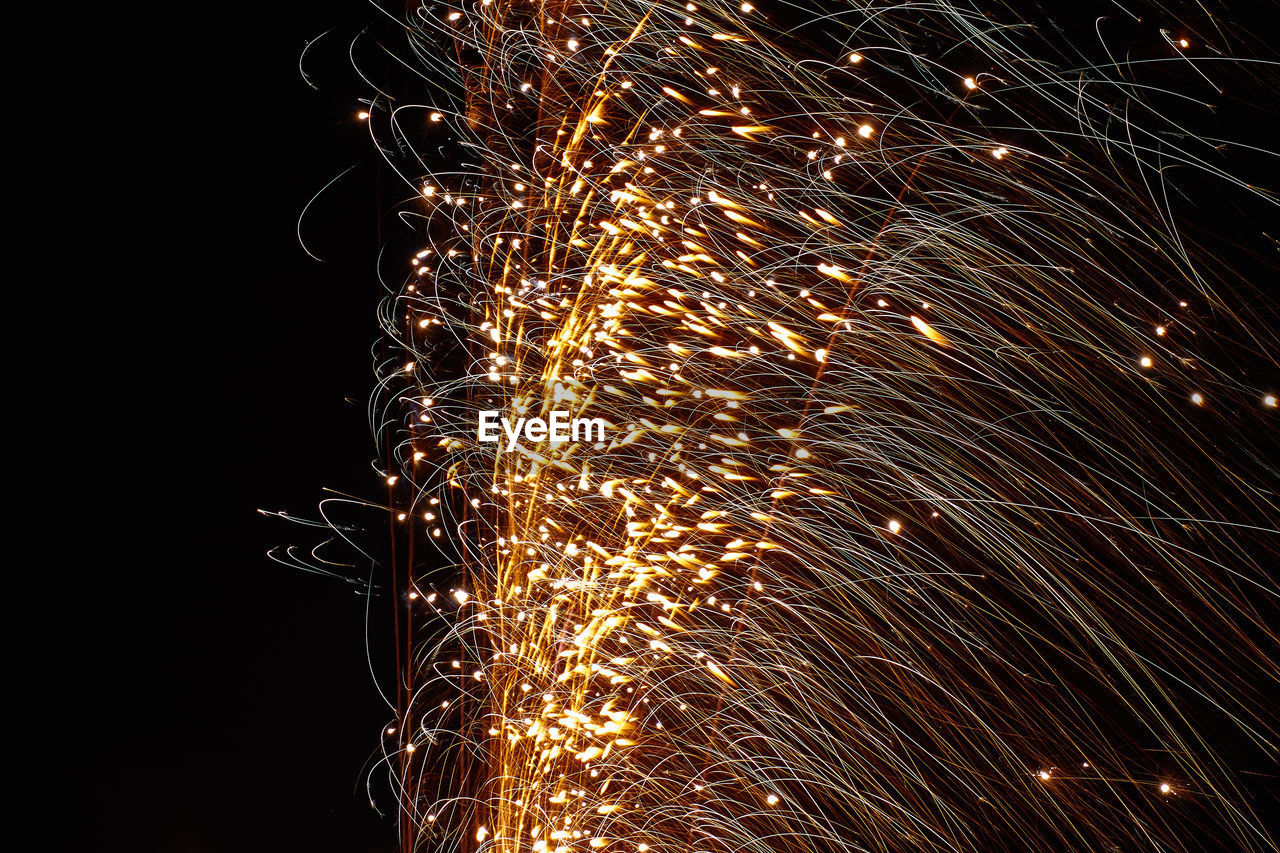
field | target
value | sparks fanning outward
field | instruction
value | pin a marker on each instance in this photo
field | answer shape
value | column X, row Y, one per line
column 937, row 496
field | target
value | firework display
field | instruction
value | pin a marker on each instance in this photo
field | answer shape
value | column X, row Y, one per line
column 880, row 461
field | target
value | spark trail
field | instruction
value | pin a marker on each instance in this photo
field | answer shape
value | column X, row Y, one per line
column 934, row 512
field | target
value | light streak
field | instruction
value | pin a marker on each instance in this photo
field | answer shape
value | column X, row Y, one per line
column 889, row 532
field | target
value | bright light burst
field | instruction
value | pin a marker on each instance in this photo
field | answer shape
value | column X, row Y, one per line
column 915, row 527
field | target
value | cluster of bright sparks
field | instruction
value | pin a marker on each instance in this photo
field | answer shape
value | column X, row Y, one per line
column 882, row 550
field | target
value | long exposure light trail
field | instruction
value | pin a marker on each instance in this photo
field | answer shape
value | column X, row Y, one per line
column 933, row 509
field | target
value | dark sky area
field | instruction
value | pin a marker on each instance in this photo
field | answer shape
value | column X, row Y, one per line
column 205, row 698
column 193, row 695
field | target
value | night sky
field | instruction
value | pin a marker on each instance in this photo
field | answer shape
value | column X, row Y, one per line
column 197, row 696
column 206, row 698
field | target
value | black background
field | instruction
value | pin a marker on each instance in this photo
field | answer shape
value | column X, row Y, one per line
column 191, row 695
